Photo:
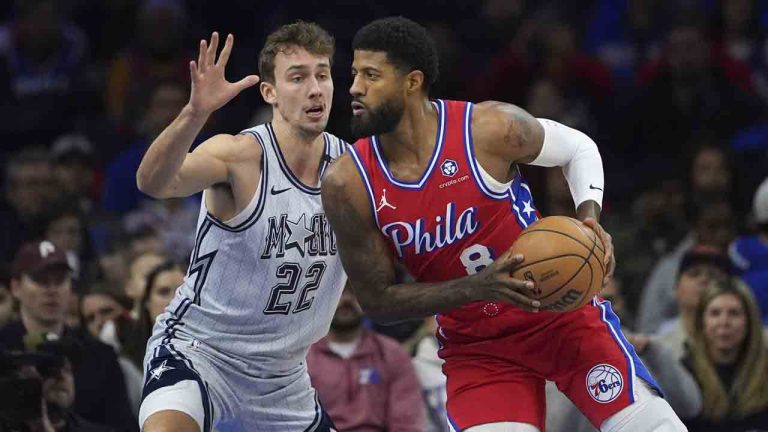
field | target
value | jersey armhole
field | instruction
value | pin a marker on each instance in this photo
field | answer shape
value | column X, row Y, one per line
column 366, row 182
column 255, row 206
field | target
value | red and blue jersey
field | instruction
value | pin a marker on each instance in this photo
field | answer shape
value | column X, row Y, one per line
column 453, row 221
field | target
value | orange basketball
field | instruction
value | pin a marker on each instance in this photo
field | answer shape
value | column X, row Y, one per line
column 563, row 259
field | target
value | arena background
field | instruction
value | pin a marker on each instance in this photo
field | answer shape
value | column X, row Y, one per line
column 674, row 93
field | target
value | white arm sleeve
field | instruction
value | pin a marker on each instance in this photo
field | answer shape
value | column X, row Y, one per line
column 579, row 157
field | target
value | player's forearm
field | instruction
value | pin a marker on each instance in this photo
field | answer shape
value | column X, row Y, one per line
column 165, row 156
column 415, row 300
column 579, row 157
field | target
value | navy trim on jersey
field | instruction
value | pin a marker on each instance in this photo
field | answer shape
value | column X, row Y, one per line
column 470, row 150
column 318, row 417
column 366, row 182
column 184, row 370
column 326, row 159
column 259, row 209
column 516, row 209
column 440, row 105
column 198, row 264
column 287, row 170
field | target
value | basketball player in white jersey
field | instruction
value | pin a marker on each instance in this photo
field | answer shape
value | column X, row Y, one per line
column 264, row 277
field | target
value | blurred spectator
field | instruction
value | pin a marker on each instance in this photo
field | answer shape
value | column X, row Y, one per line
column 107, row 319
column 98, row 308
column 154, row 56
column 41, row 282
column 172, row 219
column 120, row 193
column 161, row 283
column 614, row 292
column 42, row 62
column 72, row 318
column 143, row 240
column 685, row 91
column 712, row 225
column 136, row 284
column 364, row 380
column 59, row 388
column 6, row 299
column 75, row 170
column 699, row 268
column 729, row 360
column 29, row 191
column 654, row 225
column 429, row 371
column 711, row 177
column 750, row 253
column 66, row 227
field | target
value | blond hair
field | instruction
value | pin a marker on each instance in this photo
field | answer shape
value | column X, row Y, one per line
column 749, row 391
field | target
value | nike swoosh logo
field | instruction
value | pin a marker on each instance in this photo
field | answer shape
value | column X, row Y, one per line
column 595, row 187
column 278, row 191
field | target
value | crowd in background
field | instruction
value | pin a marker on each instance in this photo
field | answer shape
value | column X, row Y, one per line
column 673, row 92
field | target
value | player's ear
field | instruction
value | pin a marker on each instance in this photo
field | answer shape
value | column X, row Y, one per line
column 414, row 81
column 268, row 92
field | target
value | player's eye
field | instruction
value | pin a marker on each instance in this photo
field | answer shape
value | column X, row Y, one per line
column 297, row 79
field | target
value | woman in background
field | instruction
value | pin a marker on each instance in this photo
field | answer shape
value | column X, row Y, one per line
column 728, row 358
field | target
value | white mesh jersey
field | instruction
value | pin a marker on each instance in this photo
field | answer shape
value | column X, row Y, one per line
column 262, row 286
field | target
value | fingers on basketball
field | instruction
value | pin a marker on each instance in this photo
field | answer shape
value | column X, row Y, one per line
column 565, row 261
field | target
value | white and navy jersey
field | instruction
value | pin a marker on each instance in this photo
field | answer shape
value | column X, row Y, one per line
column 262, row 286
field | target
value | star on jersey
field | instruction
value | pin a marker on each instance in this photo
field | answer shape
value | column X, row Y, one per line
column 527, row 208
column 157, row 372
column 298, row 234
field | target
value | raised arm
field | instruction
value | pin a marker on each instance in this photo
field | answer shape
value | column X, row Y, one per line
column 168, row 169
column 369, row 263
column 505, row 134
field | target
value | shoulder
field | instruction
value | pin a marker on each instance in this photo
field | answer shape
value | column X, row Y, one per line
column 339, row 173
column 236, row 148
column 504, row 129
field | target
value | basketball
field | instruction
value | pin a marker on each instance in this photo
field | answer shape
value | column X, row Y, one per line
column 563, row 259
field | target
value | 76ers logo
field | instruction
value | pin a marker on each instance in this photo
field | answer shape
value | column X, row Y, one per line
column 449, row 167
column 604, row 383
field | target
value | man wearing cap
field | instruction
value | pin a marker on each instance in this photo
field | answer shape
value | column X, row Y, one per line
column 750, row 253
column 700, row 266
column 41, row 281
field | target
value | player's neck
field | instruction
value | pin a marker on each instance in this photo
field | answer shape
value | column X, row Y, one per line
column 415, row 135
column 345, row 336
column 35, row 326
column 302, row 151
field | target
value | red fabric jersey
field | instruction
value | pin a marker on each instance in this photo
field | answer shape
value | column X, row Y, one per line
column 453, row 221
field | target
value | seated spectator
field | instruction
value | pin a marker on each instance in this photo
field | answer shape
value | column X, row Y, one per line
column 29, row 190
column 42, row 67
column 711, row 225
column 700, row 266
column 120, row 193
column 107, row 319
column 729, row 359
column 45, row 364
column 138, row 271
column 161, row 286
column 172, row 219
column 429, row 371
column 365, row 381
column 750, row 253
column 6, row 299
column 41, row 281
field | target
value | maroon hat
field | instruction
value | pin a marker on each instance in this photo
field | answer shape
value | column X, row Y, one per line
column 35, row 257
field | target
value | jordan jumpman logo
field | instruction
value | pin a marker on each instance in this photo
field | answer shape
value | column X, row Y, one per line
column 383, row 203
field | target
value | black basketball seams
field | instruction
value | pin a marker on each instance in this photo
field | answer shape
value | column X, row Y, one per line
column 585, row 262
column 601, row 249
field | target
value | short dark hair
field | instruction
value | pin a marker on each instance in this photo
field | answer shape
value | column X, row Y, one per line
column 407, row 44
column 307, row 35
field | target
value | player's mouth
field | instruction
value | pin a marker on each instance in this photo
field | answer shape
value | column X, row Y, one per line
column 357, row 108
column 315, row 111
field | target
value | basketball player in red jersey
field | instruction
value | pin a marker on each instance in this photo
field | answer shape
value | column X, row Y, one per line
column 436, row 186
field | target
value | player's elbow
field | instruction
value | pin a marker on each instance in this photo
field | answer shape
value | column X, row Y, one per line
column 148, row 187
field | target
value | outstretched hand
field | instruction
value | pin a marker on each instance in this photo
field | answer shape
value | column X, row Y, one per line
column 210, row 88
column 609, row 260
